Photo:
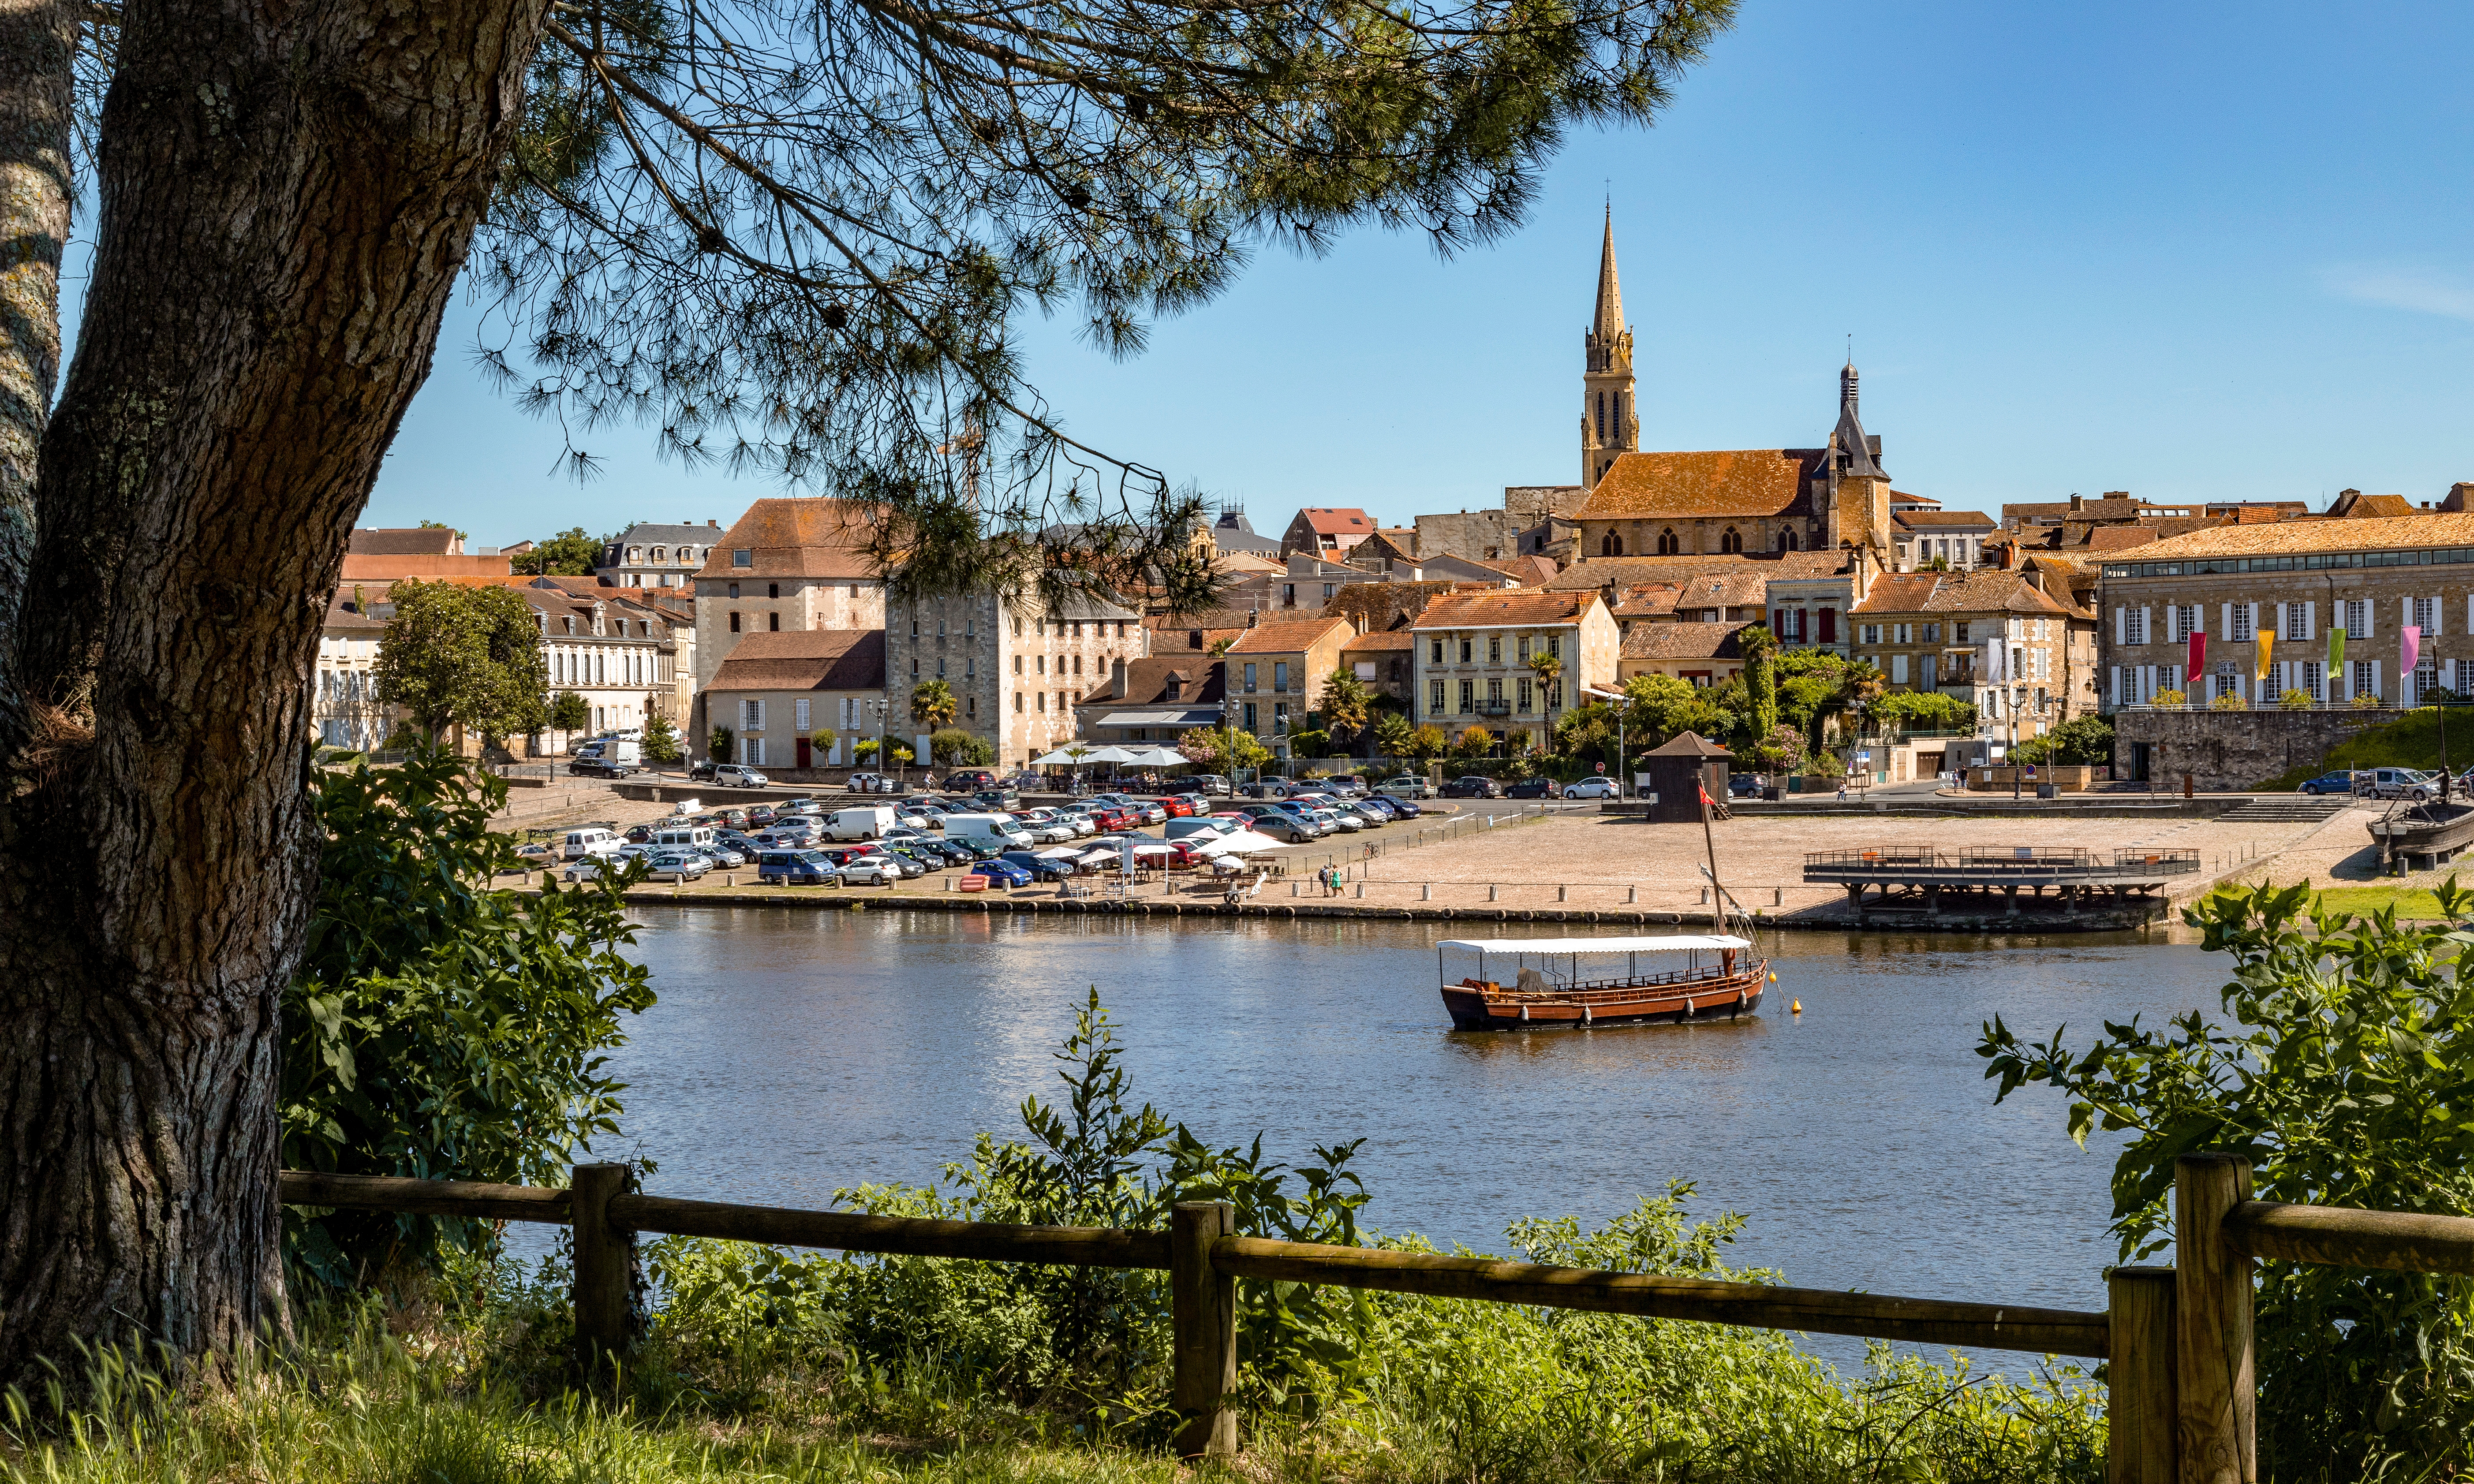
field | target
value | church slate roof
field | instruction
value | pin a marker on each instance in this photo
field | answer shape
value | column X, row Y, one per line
column 1732, row 482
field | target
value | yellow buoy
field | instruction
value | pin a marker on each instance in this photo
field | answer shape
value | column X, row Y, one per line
column 1795, row 1007
column 1773, row 978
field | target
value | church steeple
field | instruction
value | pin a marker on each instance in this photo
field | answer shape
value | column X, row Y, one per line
column 1610, row 422
column 1851, row 450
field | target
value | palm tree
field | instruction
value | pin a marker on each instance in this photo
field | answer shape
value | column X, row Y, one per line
column 1345, row 701
column 932, row 704
column 1548, row 667
column 1393, row 734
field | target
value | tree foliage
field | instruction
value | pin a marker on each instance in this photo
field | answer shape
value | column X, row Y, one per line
column 932, row 704
column 953, row 748
column 441, row 1027
column 571, row 553
column 1921, row 711
column 2085, row 742
column 463, row 655
column 661, row 739
column 569, row 712
column 1760, row 680
column 2345, row 1075
column 1222, row 749
column 719, row 743
column 1346, row 703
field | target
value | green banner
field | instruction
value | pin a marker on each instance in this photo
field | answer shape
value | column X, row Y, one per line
column 2336, row 652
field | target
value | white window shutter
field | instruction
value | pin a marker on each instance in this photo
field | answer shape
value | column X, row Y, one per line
column 2375, row 679
column 2310, row 621
column 2370, row 619
column 2121, row 623
column 799, row 714
column 2116, row 678
column 2438, row 613
column 2229, row 623
column 2148, row 625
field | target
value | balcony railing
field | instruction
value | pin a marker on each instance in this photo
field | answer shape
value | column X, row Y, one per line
column 1494, row 707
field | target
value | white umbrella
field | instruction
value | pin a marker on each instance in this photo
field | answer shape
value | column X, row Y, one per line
column 1245, row 841
column 1109, row 754
column 1099, row 853
column 1061, row 758
column 1061, row 852
column 1154, row 848
column 1157, row 757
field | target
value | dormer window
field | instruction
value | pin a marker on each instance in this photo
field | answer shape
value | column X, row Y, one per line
column 656, row 553
column 742, row 558
column 570, row 625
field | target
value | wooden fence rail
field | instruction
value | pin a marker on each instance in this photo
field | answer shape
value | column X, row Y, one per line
column 2181, row 1375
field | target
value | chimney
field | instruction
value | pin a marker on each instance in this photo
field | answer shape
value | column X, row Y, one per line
column 2035, row 576
column 716, row 524
column 2078, row 502
column 1253, row 616
column 1117, row 679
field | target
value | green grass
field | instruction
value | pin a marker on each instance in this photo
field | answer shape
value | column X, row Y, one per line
column 2411, row 741
column 2411, row 902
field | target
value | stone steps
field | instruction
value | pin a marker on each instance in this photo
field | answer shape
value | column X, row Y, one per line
column 2286, row 809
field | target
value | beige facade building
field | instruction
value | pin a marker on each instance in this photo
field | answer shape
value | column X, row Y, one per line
column 1474, row 659
column 2254, row 607
column 1149, row 702
column 785, row 564
column 1994, row 640
column 1277, row 672
column 779, row 691
column 343, row 687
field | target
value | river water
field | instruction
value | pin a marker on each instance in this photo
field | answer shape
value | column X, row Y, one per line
column 794, row 1051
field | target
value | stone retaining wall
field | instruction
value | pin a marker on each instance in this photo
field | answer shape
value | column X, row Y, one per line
column 2233, row 749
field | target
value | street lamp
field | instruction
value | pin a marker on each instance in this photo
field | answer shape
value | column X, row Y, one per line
column 880, row 707
column 2018, row 698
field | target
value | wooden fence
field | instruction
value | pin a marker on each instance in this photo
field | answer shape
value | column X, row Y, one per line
column 2180, row 1375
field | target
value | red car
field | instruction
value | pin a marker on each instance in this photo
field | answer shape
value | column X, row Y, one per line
column 1110, row 821
column 1178, row 806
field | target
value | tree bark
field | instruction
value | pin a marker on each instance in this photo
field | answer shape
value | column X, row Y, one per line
column 37, row 54
column 287, row 194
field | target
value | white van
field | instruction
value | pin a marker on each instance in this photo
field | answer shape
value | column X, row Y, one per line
column 1000, row 830
column 581, row 843
column 699, row 837
column 866, row 821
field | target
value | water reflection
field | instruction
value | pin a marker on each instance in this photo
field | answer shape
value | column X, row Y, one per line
column 794, row 1051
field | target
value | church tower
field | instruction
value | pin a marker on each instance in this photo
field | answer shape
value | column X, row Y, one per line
column 1857, row 493
column 1610, row 423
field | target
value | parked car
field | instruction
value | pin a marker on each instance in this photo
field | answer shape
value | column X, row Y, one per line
column 1177, row 807
column 1531, row 788
column 727, row 856
column 1594, row 787
column 997, row 800
column 1001, row 870
column 677, row 865
column 733, row 774
column 1267, row 788
column 1471, row 786
column 592, row 867
column 796, row 868
column 639, row 834
column 1209, row 783
column 595, row 768
column 1390, row 808
column 873, row 868
column 970, row 780
column 1407, row 785
column 733, row 819
column 1348, row 785
column 2403, row 783
column 1743, row 785
column 1041, row 869
column 869, row 783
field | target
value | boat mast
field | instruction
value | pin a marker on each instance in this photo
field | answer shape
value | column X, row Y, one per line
column 1718, row 892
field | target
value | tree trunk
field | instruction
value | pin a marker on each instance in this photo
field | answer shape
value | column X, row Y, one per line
column 38, row 50
column 286, row 197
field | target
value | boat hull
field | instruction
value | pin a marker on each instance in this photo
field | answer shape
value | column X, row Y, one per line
column 1477, row 1006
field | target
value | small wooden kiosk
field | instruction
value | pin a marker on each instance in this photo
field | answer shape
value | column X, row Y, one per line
column 1673, row 769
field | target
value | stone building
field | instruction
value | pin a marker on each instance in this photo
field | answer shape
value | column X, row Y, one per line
column 1384, row 662
column 1610, row 416
column 2255, row 611
column 1474, row 659
column 1326, row 532
column 1995, row 639
column 785, row 564
column 1014, row 668
column 779, row 691
column 1151, row 701
column 1920, row 537
column 647, row 555
column 1277, row 672
column 1694, row 652
column 343, row 688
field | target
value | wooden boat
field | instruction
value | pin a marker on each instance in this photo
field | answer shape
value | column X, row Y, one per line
column 2423, row 834
column 1574, row 983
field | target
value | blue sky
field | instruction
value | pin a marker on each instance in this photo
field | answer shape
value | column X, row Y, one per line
column 2186, row 250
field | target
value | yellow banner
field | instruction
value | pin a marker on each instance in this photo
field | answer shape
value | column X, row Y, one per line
column 2267, row 646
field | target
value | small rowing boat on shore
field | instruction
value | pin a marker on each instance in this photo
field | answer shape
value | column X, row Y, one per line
column 1571, row 983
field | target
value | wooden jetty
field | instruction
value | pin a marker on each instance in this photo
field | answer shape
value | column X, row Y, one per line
column 1931, row 882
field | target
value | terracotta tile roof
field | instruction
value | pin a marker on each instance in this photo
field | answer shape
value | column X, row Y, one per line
column 1622, row 571
column 1529, row 571
column 2295, row 538
column 1646, row 600
column 1147, row 682
column 343, row 617
column 805, row 659
column 2047, row 512
column 1287, row 638
column 1345, row 522
column 1504, row 609
column 1234, row 562
column 1381, row 640
column 2372, row 506
column 2120, row 538
column 1381, row 605
column 797, row 538
column 1750, row 482
column 394, row 542
column 1205, row 618
column 1693, row 640
column 1724, row 589
column 1927, row 519
column 1988, row 592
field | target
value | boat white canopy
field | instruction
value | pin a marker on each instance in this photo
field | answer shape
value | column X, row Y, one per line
column 1572, row 946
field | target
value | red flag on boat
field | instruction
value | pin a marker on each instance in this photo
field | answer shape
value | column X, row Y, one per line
column 1705, row 794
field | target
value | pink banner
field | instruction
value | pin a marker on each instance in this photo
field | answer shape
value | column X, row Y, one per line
column 2413, row 651
column 2199, row 655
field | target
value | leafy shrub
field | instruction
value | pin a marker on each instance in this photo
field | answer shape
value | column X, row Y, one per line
column 721, row 742
column 2229, row 702
column 2295, row 700
column 661, row 739
column 2343, row 1078
column 440, row 1027
column 2169, row 698
column 955, row 747
column 2364, row 700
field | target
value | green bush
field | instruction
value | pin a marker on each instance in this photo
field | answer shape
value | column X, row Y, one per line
column 953, row 748
column 441, row 1027
column 2087, row 742
column 2344, row 1076
column 2295, row 700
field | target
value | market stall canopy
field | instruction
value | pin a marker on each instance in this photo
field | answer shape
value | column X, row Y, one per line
column 1062, row 758
column 1585, row 946
column 1243, row 842
column 1157, row 757
column 1207, row 717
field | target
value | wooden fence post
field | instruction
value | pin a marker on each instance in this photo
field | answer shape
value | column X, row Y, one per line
column 2139, row 1415
column 1203, row 1314
column 2215, row 1375
column 605, row 1260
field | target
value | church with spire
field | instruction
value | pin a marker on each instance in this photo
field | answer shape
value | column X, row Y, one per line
column 1750, row 501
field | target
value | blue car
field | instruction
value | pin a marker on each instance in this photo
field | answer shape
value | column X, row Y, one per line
column 1040, row 869
column 1002, row 870
column 796, row 868
column 2340, row 781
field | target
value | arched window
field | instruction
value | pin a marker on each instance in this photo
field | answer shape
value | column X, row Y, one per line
column 1730, row 540
column 1611, row 545
column 1786, row 539
column 1601, row 417
column 1667, row 543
